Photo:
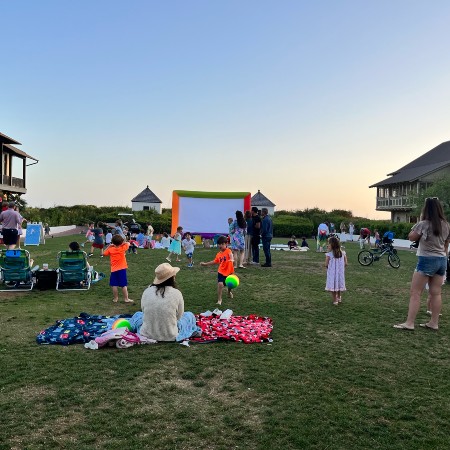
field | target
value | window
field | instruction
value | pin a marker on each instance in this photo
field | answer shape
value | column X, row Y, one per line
column 145, row 208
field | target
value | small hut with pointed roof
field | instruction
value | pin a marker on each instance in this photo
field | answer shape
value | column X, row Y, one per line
column 145, row 201
column 261, row 201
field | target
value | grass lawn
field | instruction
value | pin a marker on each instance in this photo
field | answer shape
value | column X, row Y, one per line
column 333, row 377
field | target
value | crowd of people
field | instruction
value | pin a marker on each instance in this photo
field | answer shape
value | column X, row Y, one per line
column 162, row 303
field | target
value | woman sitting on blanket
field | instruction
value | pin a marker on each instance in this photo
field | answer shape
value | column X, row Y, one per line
column 162, row 306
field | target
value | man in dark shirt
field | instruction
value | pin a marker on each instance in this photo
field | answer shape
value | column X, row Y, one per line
column 256, row 234
column 266, row 236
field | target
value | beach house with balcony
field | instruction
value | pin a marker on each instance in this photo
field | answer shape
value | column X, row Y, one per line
column 396, row 193
column 13, row 167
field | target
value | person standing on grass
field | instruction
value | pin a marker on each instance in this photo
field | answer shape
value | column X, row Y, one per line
column 266, row 236
column 175, row 245
column 237, row 239
column 188, row 245
column 116, row 251
column 19, row 227
column 10, row 220
column 256, row 237
column 364, row 236
column 108, row 238
column 351, row 230
column 433, row 234
column 150, row 231
column 224, row 259
column 98, row 241
column 335, row 263
column 248, row 237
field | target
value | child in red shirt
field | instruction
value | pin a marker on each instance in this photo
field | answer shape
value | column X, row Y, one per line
column 226, row 266
column 116, row 251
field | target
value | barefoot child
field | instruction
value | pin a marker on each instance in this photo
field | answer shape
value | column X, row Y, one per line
column 335, row 262
column 226, row 266
column 116, row 251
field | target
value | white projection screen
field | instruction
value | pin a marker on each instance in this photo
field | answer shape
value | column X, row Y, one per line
column 206, row 213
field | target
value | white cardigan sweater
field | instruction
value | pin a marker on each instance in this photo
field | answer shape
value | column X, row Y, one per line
column 161, row 313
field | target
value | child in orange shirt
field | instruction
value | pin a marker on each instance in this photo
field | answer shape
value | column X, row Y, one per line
column 226, row 266
column 116, row 251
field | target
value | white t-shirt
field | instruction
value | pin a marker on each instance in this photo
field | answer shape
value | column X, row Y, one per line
column 188, row 245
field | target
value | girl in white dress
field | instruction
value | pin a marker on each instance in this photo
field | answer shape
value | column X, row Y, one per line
column 335, row 262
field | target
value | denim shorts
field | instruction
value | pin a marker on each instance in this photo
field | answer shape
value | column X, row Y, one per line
column 431, row 265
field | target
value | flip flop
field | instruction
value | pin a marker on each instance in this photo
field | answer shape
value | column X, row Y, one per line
column 402, row 326
column 425, row 325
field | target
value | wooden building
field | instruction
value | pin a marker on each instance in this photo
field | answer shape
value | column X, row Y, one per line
column 13, row 161
column 396, row 193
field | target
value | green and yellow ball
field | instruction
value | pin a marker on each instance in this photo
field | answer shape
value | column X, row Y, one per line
column 232, row 281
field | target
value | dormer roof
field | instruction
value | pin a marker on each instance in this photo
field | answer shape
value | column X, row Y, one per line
column 146, row 196
column 260, row 199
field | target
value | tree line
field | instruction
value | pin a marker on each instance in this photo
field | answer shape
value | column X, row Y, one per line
column 286, row 223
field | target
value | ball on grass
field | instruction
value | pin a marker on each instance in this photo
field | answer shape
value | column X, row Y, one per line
column 232, row 281
column 122, row 323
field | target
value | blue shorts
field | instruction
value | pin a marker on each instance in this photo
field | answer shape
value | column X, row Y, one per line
column 431, row 265
column 189, row 255
column 119, row 278
column 221, row 278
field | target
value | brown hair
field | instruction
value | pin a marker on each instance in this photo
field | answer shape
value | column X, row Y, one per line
column 162, row 286
column 433, row 212
column 335, row 247
column 240, row 220
column 117, row 239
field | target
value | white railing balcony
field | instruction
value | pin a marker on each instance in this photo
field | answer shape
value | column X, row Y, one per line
column 390, row 203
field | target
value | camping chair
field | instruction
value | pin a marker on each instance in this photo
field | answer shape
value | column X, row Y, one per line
column 73, row 271
column 15, row 270
column 198, row 240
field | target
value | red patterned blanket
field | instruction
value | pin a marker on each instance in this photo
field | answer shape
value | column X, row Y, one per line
column 247, row 329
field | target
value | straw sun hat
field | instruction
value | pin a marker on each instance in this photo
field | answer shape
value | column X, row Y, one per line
column 163, row 272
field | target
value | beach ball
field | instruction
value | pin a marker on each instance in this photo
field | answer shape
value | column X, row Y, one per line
column 122, row 323
column 232, row 281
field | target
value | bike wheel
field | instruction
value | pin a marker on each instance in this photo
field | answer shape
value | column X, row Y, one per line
column 365, row 258
column 394, row 260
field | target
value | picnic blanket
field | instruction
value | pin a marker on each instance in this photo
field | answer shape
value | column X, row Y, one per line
column 247, row 329
column 214, row 328
column 77, row 330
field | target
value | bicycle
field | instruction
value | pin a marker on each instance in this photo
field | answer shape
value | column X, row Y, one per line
column 367, row 257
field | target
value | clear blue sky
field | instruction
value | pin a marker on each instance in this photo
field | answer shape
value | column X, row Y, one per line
column 310, row 102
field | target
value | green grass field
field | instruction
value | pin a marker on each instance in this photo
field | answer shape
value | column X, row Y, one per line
column 333, row 377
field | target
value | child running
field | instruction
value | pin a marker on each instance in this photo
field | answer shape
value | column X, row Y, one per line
column 188, row 245
column 175, row 245
column 226, row 266
column 89, row 235
column 335, row 262
column 116, row 251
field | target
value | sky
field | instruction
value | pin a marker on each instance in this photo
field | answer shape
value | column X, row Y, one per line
column 309, row 102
